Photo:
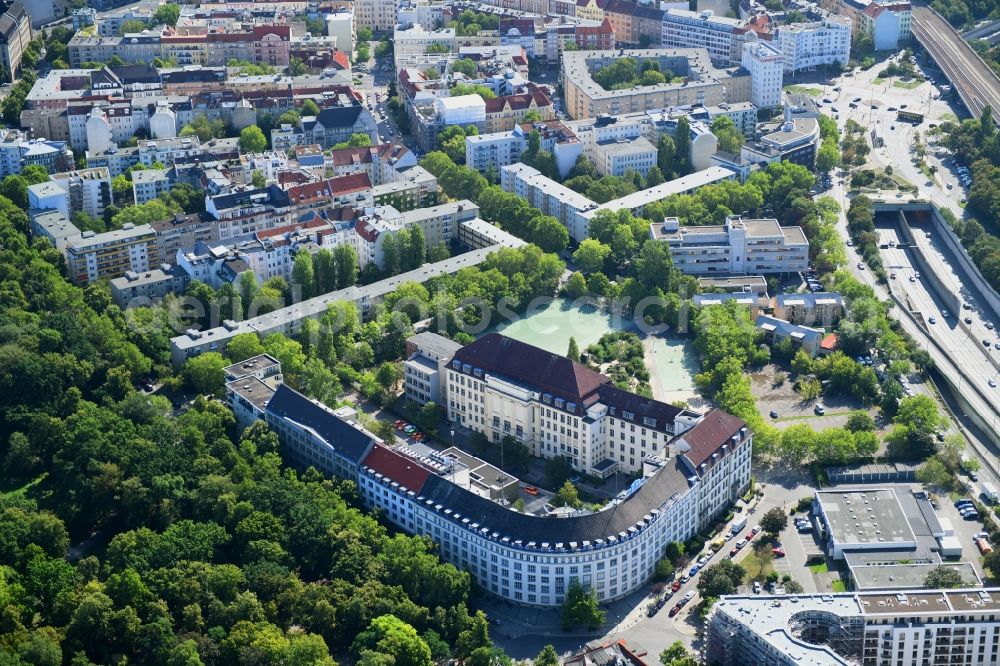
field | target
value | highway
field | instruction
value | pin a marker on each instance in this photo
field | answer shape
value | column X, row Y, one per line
column 975, row 82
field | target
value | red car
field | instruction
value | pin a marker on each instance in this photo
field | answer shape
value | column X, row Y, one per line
column 531, row 490
column 676, row 586
column 778, row 552
column 750, row 537
column 399, row 423
column 732, row 552
column 675, row 610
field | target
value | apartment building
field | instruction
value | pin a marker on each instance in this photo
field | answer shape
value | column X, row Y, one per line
column 822, row 309
column 740, row 246
column 148, row 287
column 15, row 34
column 499, row 149
column 379, row 15
column 148, row 184
column 615, row 157
column 411, row 42
column 18, row 152
column 824, row 41
column 766, row 65
column 288, row 320
column 439, row 223
column 87, row 190
column 455, row 499
column 634, row 23
column 704, row 84
column 91, row 256
column 877, row 628
column 575, row 210
column 718, row 34
column 595, row 38
column 504, row 112
column 887, row 23
column 427, row 354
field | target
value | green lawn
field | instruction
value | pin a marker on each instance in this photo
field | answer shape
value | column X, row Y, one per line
column 819, row 568
column 949, row 117
column 878, row 81
column 839, row 586
column 756, row 568
column 21, row 490
column 803, row 90
column 908, row 85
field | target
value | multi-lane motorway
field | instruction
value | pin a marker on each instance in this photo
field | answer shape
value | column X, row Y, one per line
column 975, row 82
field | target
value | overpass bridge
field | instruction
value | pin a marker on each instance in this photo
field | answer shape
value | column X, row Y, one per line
column 975, row 82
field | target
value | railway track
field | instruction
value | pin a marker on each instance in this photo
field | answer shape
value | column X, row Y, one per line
column 975, row 82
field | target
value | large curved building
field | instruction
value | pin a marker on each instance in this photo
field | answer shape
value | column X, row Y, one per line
column 466, row 506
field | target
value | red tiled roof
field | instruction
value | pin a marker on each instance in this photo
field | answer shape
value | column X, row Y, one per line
column 366, row 231
column 603, row 29
column 830, row 342
column 283, row 31
column 706, row 438
column 281, row 231
column 354, row 182
column 399, row 468
column 517, row 102
column 341, row 59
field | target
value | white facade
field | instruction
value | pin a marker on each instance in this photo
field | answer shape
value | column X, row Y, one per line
column 340, row 25
column 808, row 45
column 687, row 29
column 878, row 628
column 163, row 122
column 766, row 66
column 87, row 190
column 99, row 134
column 738, row 247
column 411, row 41
column 888, row 23
column 615, row 158
column 461, row 110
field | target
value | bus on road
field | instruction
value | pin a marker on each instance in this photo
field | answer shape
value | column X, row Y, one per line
column 909, row 117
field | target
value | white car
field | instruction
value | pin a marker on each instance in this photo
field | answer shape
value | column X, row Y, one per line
column 689, row 596
column 992, row 383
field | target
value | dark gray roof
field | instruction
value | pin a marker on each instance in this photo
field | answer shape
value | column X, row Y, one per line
column 339, row 116
column 136, row 73
column 346, row 440
column 655, row 491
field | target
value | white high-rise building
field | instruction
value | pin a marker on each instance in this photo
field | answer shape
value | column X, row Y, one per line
column 687, row 29
column 808, row 45
column 766, row 66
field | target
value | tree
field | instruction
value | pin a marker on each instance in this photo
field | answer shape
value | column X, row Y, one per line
column 252, row 140
column 204, row 373
column 934, row 473
column 303, row 275
column 576, row 285
column 391, row 636
column 465, row 66
column 257, row 179
column 677, row 655
column 682, row 147
column 916, row 421
column 591, row 255
column 547, row 657
column 580, row 608
column 311, row 108
column 296, row 67
column 860, row 421
column 991, row 562
column 654, row 177
column 573, row 353
column 567, row 495
column 730, row 139
column 774, row 521
column 719, row 579
column 943, row 578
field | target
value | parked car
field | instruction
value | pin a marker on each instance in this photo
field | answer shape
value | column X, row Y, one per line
column 733, row 551
column 819, row 410
column 688, row 596
column 778, row 552
column 675, row 610
column 531, row 490
column 964, row 500
column 756, row 587
column 676, row 586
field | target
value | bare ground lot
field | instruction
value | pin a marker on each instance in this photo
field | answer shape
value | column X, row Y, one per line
column 792, row 409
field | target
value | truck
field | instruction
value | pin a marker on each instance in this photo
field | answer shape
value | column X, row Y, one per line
column 990, row 493
column 984, row 547
column 738, row 525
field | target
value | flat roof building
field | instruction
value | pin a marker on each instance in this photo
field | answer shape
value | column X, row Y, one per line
column 874, row 628
column 739, row 246
column 865, row 519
